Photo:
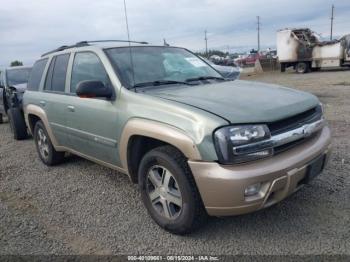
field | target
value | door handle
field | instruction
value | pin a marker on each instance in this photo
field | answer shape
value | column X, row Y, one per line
column 43, row 103
column 71, row 108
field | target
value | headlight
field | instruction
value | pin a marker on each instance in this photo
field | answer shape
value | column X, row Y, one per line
column 227, row 138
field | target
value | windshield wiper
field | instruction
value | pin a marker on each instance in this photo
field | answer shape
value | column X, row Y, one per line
column 160, row 82
column 204, row 78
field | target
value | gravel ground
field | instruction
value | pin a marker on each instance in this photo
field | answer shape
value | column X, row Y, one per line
column 83, row 208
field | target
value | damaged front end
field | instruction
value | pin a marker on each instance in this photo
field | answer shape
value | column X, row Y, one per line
column 14, row 95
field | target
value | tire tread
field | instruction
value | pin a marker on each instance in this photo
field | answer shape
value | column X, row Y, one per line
column 200, row 215
column 55, row 157
column 17, row 123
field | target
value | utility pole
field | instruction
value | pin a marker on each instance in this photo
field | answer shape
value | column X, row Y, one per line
column 206, row 43
column 258, row 22
column 332, row 18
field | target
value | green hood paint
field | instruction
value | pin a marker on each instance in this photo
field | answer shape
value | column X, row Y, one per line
column 241, row 101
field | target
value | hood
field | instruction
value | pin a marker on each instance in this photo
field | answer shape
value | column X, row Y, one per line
column 20, row 87
column 241, row 101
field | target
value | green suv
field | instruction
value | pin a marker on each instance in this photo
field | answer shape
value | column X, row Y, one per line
column 196, row 143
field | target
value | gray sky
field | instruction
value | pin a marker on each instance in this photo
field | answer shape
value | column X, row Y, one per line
column 30, row 28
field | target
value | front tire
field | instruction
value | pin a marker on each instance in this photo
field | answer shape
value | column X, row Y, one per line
column 169, row 192
column 17, row 123
column 302, row 67
column 1, row 119
column 44, row 147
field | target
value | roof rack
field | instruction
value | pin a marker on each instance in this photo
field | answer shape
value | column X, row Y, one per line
column 64, row 47
column 120, row 41
column 86, row 43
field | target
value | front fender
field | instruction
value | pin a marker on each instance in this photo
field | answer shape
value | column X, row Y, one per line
column 159, row 131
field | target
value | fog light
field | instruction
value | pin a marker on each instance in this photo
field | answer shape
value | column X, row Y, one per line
column 252, row 190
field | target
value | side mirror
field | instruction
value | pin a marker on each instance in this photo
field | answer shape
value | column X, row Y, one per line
column 92, row 89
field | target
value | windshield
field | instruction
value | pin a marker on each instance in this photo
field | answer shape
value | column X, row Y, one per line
column 17, row 76
column 158, row 65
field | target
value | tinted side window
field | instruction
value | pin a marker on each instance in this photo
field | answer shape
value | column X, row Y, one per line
column 56, row 77
column 48, row 80
column 87, row 66
column 36, row 75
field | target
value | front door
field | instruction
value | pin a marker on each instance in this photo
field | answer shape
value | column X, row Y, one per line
column 91, row 122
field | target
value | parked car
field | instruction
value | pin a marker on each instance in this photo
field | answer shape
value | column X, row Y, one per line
column 272, row 54
column 195, row 143
column 13, row 83
column 250, row 59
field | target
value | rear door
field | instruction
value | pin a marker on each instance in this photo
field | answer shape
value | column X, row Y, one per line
column 53, row 97
column 91, row 122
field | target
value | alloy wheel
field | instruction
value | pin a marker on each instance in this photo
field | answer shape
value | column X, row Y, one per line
column 43, row 144
column 164, row 192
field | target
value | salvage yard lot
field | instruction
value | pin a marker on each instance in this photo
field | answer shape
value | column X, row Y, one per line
column 82, row 208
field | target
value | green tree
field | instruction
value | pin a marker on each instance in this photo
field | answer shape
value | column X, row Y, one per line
column 16, row 63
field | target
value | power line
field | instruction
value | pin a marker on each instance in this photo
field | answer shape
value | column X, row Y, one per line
column 306, row 24
column 332, row 18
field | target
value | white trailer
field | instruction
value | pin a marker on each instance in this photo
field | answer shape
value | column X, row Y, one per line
column 302, row 49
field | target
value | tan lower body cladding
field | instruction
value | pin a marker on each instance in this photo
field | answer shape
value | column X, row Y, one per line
column 222, row 188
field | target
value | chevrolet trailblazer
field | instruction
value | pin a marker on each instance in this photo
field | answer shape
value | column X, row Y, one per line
column 196, row 143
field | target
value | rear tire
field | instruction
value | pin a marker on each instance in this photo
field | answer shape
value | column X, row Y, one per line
column 17, row 123
column 302, row 67
column 44, row 147
column 163, row 174
column 1, row 119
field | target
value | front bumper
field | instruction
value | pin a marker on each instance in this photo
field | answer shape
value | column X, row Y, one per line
column 222, row 187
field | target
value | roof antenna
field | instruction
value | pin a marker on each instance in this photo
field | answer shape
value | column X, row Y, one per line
column 131, row 60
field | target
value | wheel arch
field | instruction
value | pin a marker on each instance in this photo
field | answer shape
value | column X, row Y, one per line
column 34, row 113
column 140, row 136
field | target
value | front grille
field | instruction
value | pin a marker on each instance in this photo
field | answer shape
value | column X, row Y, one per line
column 285, row 147
column 287, row 133
column 296, row 121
